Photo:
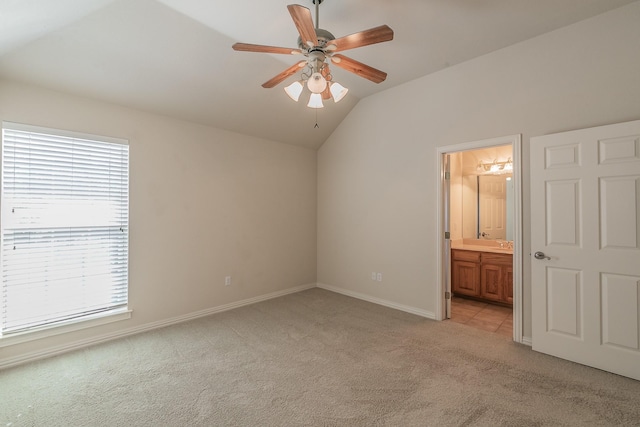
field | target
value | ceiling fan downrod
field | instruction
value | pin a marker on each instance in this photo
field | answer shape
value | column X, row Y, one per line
column 324, row 37
column 317, row 3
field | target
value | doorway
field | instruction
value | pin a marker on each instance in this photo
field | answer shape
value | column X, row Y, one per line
column 493, row 271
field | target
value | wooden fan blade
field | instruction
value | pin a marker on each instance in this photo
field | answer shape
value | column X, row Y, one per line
column 247, row 47
column 359, row 68
column 364, row 38
column 283, row 75
column 326, row 93
column 304, row 23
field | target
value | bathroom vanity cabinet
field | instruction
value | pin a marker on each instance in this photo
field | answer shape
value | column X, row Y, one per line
column 482, row 275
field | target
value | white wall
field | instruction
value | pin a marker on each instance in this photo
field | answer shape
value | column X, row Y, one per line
column 204, row 203
column 376, row 173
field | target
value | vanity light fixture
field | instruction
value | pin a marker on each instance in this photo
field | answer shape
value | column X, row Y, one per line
column 495, row 167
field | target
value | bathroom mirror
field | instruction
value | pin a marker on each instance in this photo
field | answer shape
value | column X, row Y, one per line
column 487, row 202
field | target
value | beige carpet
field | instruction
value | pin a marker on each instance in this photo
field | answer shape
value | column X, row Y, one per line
column 314, row 358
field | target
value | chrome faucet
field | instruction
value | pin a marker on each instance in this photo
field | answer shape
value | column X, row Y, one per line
column 505, row 244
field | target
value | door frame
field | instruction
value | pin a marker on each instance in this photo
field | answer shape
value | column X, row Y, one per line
column 441, row 275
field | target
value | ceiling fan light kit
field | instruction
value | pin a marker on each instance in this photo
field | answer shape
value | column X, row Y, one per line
column 320, row 48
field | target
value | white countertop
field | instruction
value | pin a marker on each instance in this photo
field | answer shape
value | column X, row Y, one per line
column 480, row 246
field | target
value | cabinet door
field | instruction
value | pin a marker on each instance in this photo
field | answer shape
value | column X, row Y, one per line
column 491, row 282
column 465, row 278
column 508, row 284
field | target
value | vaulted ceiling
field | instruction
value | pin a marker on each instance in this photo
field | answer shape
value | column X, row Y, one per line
column 174, row 57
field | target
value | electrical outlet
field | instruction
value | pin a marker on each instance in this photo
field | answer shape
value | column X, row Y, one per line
column 227, row 280
column 373, row 275
column 379, row 277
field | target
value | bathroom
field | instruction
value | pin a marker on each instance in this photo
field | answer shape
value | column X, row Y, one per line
column 481, row 226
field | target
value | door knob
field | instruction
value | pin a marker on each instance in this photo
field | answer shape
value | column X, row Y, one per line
column 541, row 255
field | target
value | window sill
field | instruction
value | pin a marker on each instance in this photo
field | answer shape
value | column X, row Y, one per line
column 66, row 327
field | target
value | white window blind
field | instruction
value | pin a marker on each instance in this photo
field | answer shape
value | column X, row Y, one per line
column 65, row 216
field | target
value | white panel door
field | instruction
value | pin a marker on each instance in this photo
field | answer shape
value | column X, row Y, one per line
column 585, row 229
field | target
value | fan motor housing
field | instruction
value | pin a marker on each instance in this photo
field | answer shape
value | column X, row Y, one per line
column 324, row 37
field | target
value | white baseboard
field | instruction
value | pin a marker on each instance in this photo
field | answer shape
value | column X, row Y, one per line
column 379, row 301
column 53, row 351
column 527, row 341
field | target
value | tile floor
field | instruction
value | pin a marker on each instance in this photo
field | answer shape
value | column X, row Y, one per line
column 481, row 315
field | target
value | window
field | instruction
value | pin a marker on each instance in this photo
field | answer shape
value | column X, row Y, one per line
column 65, row 227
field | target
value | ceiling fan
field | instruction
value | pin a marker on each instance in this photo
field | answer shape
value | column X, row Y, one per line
column 320, row 47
